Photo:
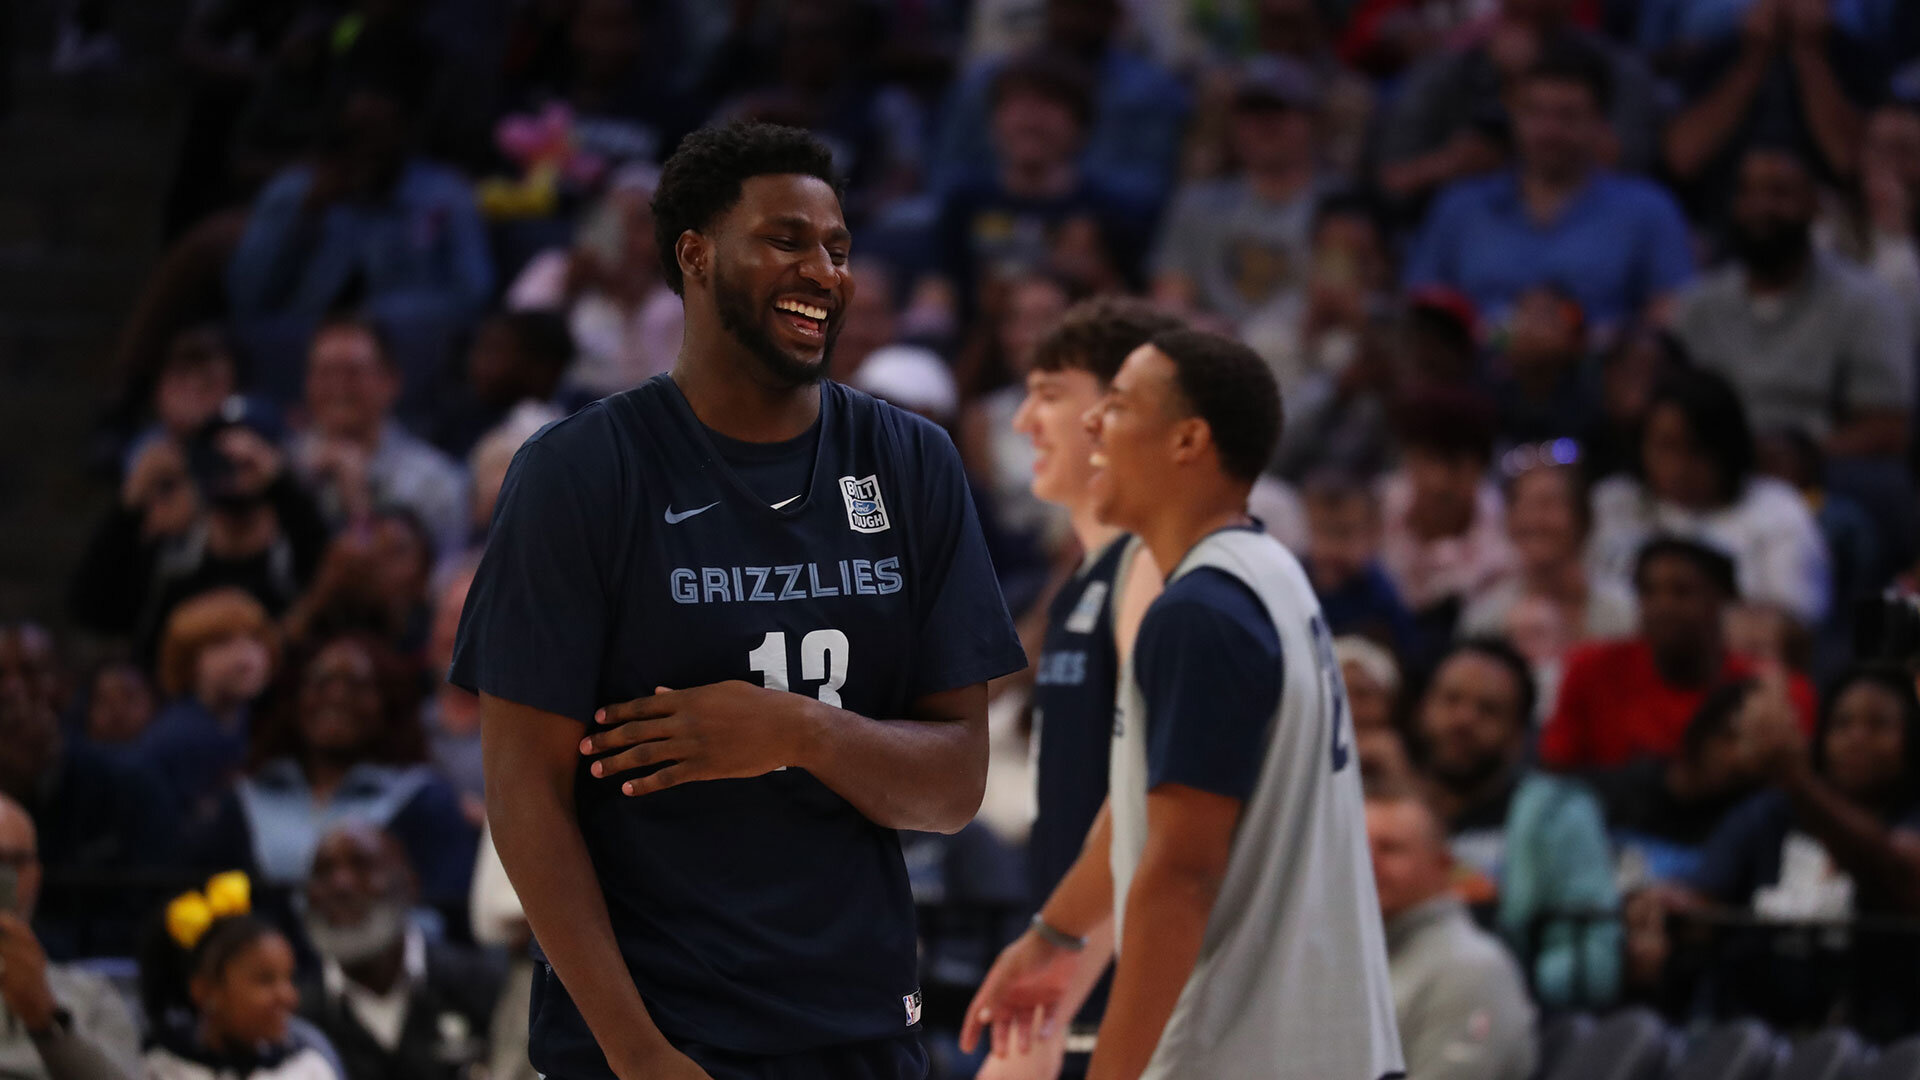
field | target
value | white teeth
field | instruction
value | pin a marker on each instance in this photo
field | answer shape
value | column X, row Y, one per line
column 798, row 308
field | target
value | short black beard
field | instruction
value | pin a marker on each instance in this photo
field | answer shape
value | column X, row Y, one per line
column 1773, row 253
column 1471, row 778
column 745, row 320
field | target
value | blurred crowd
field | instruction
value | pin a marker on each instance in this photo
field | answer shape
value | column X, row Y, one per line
column 1595, row 322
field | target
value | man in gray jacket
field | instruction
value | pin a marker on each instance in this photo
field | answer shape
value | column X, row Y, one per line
column 56, row 1022
column 1458, row 997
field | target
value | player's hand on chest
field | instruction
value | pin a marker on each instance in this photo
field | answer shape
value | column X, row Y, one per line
column 726, row 730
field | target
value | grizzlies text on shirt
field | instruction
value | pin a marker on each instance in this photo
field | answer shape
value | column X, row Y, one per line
column 762, row 915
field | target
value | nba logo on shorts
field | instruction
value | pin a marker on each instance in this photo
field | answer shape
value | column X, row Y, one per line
column 912, row 1002
column 866, row 511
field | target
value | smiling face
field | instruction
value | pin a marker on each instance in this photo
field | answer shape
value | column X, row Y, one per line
column 1132, row 430
column 1866, row 741
column 1470, row 719
column 251, row 998
column 340, row 702
column 779, row 273
column 1544, row 519
column 1053, row 418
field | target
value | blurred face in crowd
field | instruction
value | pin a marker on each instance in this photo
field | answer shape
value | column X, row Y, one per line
column 1446, row 487
column 1677, row 468
column 1053, row 418
column 1343, row 536
column 815, row 37
column 1034, row 132
column 782, row 247
column 29, row 743
column 1893, row 144
column 370, row 143
column 494, row 363
column 28, row 666
column 1033, row 306
column 196, row 378
column 350, row 387
column 339, row 700
column 1680, row 607
column 1470, row 720
column 357, row 895
column 1627, row 378
column 121, row 705
column 1544, row 520
column 251, row 998
column 20, row 849
column 1866, row 742
column 1544, row 332
column 1369, row 701
column 232, row 670
column 1134, row 435
column 606, row 38
column 1557, row 127
column 1348, row 258
column 1773, row 211
column 1288, row 27
column 401, row 559
column 870, row 323
column 1268, row 137
column 1411, row 861
column 1083, row 26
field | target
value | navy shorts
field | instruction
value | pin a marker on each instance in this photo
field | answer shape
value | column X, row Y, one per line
column 887, row 1059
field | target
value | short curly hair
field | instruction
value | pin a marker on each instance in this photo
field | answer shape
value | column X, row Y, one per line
column 1230, row 387
column 702, row 179
column 1096, row 335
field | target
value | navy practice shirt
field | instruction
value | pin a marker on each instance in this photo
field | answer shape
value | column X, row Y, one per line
column 760, row 915
column 1073, row 691
column 1209, row 665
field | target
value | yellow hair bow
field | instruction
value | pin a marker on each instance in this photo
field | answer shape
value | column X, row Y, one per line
column 190, row 914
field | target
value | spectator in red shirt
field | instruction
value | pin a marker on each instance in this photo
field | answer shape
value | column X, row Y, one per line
column 1632, row 698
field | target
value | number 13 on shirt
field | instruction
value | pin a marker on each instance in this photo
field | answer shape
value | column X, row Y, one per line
column 823, row 659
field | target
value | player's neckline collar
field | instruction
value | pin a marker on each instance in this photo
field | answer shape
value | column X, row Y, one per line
column 736, row 487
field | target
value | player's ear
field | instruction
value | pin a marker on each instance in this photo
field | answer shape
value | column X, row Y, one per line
column 1191, row 438
column 693, row 253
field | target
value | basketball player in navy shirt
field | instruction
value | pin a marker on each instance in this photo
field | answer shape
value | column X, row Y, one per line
column 732, row 629
column 1094, row 612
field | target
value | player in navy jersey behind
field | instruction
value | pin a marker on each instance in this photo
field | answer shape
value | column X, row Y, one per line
column 1232, row 857
column 1089, row 624
column 732, row 629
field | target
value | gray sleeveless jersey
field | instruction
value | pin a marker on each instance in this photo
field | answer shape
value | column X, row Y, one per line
column 1291, row 983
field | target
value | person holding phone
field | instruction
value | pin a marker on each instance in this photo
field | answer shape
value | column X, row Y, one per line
column 56, row 1022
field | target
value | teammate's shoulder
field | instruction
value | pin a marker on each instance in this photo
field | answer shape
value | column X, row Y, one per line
column 1210, row 598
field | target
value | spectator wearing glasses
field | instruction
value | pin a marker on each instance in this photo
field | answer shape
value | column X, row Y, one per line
column 57, row 1022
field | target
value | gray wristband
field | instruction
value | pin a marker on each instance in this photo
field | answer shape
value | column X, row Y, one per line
column 1057, row 937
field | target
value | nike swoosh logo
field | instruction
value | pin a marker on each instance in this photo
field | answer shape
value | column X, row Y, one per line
column 675, row 519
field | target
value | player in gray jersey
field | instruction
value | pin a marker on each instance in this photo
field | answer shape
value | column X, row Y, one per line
column 1232, row 857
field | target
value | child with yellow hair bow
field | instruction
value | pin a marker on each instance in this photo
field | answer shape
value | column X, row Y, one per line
column 217, row 983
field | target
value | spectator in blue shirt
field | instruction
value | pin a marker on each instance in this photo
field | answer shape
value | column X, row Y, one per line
column 366, row 221
column 1140, row 111
column 1618, row 243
